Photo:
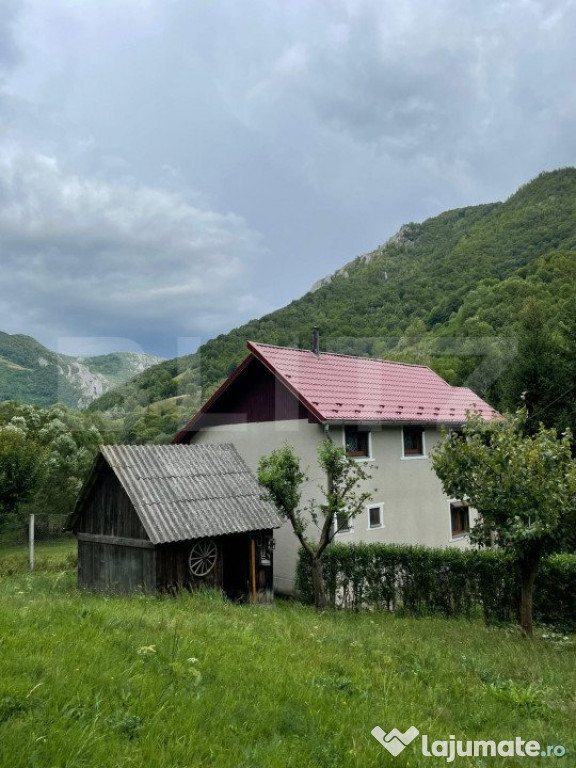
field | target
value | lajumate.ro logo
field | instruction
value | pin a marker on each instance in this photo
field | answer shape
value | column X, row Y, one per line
column 396, row 741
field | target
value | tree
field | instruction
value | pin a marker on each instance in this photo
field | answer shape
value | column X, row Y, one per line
column 63, row 441
column 70, row 441
column 282, row 477
column 523, row 486
column 538, row 376
column 20, row 470
column 568, row 395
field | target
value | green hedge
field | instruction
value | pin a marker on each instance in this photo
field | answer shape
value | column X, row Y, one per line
column 451, row 582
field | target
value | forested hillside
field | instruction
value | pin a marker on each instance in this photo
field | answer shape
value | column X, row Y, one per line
column 30, row 373
column 437, row 292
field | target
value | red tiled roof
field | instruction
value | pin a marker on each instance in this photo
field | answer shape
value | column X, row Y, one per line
column 346, row 388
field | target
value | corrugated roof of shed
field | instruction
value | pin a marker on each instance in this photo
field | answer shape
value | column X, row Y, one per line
column 185, row 492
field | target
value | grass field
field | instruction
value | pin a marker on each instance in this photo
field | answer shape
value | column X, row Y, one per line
column 89, row 680
column 52, row 557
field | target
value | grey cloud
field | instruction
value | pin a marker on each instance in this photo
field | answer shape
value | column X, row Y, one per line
column 79, row 252
column 9, row 53
column 438, row 78
column 322, row 126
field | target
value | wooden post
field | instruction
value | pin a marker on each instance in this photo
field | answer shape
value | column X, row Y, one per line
column 253, row 571
column 31, row 542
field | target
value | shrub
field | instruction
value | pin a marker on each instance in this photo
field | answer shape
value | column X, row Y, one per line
column 451, row 582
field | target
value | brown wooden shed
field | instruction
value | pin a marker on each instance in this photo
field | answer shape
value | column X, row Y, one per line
column 163, row 517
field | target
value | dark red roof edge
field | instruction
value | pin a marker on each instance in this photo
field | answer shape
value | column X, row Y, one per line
column 188, row 429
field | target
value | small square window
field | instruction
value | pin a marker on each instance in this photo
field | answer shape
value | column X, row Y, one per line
column 459, row 519
column 343, row 523
column 375, row 516
column 357, row 442
column 413, row 441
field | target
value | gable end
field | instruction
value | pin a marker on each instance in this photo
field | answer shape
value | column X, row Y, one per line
column 254, row 395
column 107, row 509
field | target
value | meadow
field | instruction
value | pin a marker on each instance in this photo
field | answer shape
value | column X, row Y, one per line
column 91, row 680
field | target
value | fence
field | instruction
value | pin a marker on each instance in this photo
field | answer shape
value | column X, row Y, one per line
column 48, row 529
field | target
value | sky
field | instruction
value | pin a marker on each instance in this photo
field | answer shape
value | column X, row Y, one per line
column 170, row 169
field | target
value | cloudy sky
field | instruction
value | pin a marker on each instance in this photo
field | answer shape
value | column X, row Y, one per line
column 172, row 168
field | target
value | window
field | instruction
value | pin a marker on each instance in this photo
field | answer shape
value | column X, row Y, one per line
column 265, row 547
column 459, row 519
column 413, row 438
column 342, row 523
column 357, row 442
column 376, row 516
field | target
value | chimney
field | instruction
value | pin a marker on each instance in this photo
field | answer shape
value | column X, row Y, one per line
column 316, row 342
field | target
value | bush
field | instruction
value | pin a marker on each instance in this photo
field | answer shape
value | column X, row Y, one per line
column 451, row 582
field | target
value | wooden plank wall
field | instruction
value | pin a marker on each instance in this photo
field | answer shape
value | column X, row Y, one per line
column 114, row 568
column 108, row 510
column 172, row 571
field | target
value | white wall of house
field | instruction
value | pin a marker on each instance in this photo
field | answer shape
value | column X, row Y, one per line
column 414, row 508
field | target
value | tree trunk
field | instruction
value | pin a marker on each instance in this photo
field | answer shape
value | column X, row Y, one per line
column 318, row 584
column 529, row 569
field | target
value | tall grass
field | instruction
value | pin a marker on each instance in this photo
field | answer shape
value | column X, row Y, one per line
column 93, row 680
column 48, row 557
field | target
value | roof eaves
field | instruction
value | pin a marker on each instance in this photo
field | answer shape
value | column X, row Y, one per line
column 339, row 422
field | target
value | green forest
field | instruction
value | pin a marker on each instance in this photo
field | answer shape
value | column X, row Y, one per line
column 31, row 373
column 484, row 295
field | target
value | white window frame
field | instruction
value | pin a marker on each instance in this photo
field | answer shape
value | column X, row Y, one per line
column 458, row 536
column 343, row 531
column 380, row 506
column 414, row 457
column 370, row 456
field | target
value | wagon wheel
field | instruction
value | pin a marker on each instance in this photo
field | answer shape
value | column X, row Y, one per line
column 202, row 557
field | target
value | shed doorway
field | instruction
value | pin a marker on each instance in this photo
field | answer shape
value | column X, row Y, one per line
column 235, row 568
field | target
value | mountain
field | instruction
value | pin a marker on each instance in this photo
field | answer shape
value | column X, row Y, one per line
column 466, row 274
column 30, row 373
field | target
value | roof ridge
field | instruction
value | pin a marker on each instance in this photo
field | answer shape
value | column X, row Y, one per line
column 342, row 354
column 170, row 446
column 222, row 472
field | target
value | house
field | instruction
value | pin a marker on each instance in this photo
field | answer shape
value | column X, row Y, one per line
column 162, row 517
column 385, row 413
